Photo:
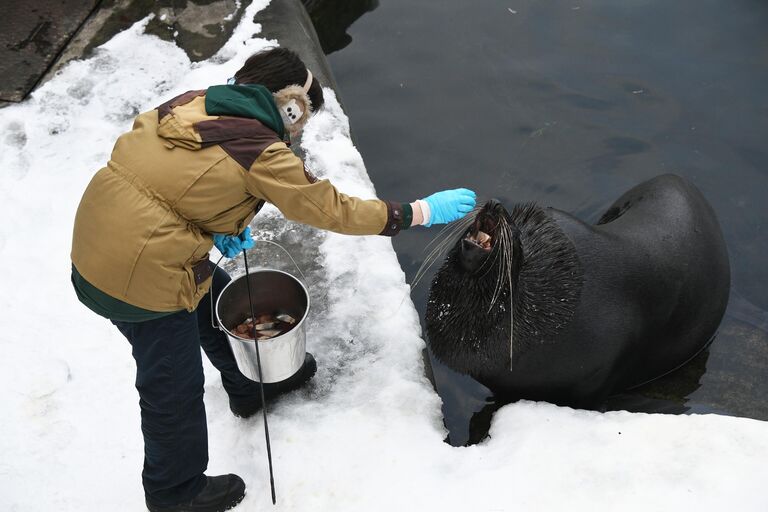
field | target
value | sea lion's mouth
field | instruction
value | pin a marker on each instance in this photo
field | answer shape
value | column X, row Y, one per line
column 482, row 236
column 482, row 233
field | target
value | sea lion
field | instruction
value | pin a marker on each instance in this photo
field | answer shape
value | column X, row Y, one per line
column 595, row 309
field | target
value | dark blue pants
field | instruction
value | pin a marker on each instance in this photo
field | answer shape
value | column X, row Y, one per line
column 169, row 378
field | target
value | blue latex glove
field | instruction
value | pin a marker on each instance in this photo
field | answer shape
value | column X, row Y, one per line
column 449, row 205
column 246, row 242
column 230, row 246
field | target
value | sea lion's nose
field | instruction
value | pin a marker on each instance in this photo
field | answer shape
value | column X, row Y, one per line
column 493, row 205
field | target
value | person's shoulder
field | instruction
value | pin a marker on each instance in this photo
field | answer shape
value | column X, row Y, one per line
column 182, row 99
column 278, row 154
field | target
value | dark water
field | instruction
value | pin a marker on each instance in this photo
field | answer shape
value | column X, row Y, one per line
column 569, row 104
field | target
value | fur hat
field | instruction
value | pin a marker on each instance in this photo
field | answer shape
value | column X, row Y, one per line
column 294, row 105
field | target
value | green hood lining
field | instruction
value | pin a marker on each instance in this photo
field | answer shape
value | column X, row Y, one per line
column 252, row 101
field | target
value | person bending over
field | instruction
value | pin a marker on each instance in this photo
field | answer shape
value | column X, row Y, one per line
column 192, row 173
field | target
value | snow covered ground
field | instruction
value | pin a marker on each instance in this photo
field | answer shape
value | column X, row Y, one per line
column 367, row 435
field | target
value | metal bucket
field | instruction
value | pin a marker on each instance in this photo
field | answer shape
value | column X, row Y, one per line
column 273, row 291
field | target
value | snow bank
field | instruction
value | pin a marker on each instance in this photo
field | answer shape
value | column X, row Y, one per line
column 367, row 434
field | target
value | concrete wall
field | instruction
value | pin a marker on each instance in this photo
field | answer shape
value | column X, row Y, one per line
column 197, row 26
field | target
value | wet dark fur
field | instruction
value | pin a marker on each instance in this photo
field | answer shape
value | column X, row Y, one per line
column 597, row 308
column 546, row 290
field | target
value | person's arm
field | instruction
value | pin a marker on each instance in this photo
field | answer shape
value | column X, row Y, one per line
column 279, row 177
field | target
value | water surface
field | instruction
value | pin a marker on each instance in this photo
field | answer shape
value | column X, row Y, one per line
column 570, row 104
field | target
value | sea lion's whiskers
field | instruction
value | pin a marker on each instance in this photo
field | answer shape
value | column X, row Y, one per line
column 445, row 239
column 506, row 249
column 441, row 235
column 508, row 271
column 503, row 251
column 511, row 324
column 449, row 234
column 500, row 248
column 496, row 250
column 439, row 248
column 452, row 227
column 448, row 238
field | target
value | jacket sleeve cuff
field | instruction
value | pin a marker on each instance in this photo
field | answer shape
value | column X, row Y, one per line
column 397, row 215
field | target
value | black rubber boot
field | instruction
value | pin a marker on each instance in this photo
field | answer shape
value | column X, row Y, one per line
column 245, row 408
column 219, row 494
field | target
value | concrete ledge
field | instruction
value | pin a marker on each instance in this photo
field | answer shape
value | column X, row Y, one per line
column 32, row 35
column 199, row 27
column 45, row 35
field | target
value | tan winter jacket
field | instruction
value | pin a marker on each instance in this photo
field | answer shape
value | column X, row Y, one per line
column 144, row 226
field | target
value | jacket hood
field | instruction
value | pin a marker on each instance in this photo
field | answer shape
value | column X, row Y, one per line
column 250, row 100
column 198, row 119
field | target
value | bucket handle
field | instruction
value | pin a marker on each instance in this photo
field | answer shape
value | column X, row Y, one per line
column 214, row 323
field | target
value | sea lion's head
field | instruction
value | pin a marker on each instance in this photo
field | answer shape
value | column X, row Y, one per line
column 503, row 269
column 469, row 312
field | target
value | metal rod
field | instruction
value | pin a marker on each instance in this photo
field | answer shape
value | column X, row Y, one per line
column 214, row 323
column 261, row 383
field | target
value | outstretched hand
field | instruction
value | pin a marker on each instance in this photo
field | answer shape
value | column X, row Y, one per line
column 449, row 205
